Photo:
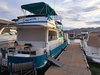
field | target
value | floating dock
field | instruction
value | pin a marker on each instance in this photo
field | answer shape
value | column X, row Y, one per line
column 74, row 62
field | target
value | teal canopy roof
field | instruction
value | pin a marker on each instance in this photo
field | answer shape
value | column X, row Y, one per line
column 39, row 8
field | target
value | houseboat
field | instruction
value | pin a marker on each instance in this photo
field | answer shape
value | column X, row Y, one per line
column 39, row 35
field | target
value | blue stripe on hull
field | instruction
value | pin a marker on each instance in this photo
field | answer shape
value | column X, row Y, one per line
column 58, row 49
column 39, row 60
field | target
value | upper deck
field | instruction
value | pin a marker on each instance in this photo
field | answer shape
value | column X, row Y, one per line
column 36, row 20
column 42, row 15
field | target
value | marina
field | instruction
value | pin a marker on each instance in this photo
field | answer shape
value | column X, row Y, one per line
column 36, row 44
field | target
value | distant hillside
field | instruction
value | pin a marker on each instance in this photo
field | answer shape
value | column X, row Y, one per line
column 87, row 29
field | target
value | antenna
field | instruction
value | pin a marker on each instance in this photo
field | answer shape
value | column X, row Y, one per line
column 54, row 4
column 54, row 7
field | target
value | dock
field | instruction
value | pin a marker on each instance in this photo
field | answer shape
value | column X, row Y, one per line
column 74, row 62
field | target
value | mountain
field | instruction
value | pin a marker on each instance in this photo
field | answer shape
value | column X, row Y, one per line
column 86, row 29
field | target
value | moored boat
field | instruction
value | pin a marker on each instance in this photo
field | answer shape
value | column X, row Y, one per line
column 4, row 38
column 92, row 46
column 39, row 35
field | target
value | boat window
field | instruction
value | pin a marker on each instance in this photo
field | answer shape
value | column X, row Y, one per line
column 12, row 33
column 9, row 33
column 52, row 35
column 6, row 34
column 71, row 35
column 60, row 34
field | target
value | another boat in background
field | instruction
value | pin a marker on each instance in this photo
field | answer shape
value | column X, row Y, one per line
column 9, row 33
column 92, row 46
column 71, row 35
column 4, row 40
column 84, row 37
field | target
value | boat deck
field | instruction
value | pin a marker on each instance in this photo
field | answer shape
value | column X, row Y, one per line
column 73, row 60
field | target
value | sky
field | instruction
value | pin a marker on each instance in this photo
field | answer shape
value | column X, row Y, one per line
column 74, row 13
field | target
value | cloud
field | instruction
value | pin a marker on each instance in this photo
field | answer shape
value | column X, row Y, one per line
column 80, row 12
column 78, row 9
column 93, row 22
column 73, row 12
column 3, row 6
column 91, row 9
column 7, row 11
column 67, row 28
column 77, row 19
column 66, row 1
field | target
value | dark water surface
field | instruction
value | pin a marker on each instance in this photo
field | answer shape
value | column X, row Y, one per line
column 94, row 68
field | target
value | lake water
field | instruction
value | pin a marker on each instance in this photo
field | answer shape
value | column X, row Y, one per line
column 95, row 68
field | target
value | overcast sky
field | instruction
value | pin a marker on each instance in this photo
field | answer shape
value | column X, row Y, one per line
column 74, row 13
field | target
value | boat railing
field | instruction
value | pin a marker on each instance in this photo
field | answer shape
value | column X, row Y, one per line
column 18, row 50
column 18, row 64
column 32, row 48
column 39, row 44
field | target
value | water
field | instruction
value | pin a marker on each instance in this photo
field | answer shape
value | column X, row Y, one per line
column 94, row 68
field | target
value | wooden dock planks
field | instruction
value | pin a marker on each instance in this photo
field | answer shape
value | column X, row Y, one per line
column 73, row 60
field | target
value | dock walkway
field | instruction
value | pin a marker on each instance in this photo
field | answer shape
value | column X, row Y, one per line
column 73, row 60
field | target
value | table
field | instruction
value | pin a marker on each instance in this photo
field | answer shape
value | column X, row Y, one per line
column 17, row 47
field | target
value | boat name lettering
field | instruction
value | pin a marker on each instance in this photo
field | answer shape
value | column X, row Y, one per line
column 30, row 19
